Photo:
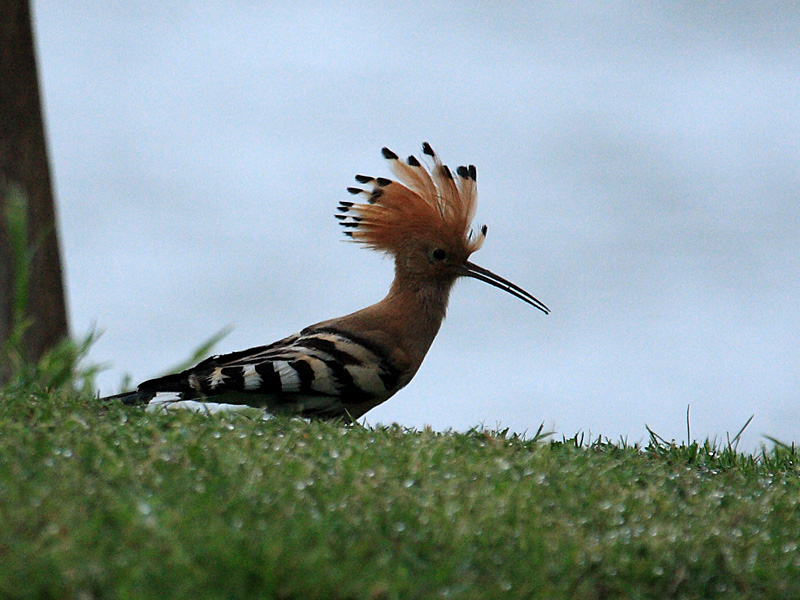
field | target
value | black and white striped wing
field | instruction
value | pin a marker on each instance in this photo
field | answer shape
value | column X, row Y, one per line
column 319, row 372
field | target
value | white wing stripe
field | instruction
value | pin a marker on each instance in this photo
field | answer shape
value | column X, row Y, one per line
column 252, row 380
column 290, row 380
column 216, row 378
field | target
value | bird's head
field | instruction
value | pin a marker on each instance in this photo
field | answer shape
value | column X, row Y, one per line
column 424, row 220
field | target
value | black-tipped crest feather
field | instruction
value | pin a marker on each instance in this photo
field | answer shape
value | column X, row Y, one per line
column 423, row 198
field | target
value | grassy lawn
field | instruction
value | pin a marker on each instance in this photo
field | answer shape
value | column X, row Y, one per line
column 104, row 501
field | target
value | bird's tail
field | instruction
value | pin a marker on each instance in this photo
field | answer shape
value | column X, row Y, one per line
column 130, row 398
column 176, row 387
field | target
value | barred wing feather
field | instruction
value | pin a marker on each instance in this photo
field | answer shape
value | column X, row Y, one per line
column 320, row 372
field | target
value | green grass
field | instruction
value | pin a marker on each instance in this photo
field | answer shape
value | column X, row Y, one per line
column 105, row 501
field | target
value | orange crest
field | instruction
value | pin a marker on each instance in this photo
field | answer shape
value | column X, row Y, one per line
column 426, row 203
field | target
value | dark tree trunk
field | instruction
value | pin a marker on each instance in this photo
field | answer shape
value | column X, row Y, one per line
column 23, row 162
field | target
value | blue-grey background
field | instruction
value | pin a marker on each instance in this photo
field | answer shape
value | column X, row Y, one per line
column 639, row 170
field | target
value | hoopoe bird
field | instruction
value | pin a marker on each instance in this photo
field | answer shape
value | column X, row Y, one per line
column 342, row 368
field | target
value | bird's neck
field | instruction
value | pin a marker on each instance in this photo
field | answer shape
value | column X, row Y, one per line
column 419, row 300
column 418, row 309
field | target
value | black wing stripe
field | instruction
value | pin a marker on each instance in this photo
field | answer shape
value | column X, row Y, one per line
column 389, row 375
column 330, row 348
column 316, row 347
column 305, row 373
column 270, row 380
column 374, row 348
column 233, row 378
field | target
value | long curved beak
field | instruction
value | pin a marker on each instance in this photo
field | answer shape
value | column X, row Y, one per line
column 472, row 270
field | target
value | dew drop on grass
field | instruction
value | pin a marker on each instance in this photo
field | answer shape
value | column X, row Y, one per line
column 144, row 508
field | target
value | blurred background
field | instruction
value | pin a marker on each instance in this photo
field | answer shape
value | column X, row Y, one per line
column 639, row 171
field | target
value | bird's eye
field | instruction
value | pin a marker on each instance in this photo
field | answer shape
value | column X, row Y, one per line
column 439, row 254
